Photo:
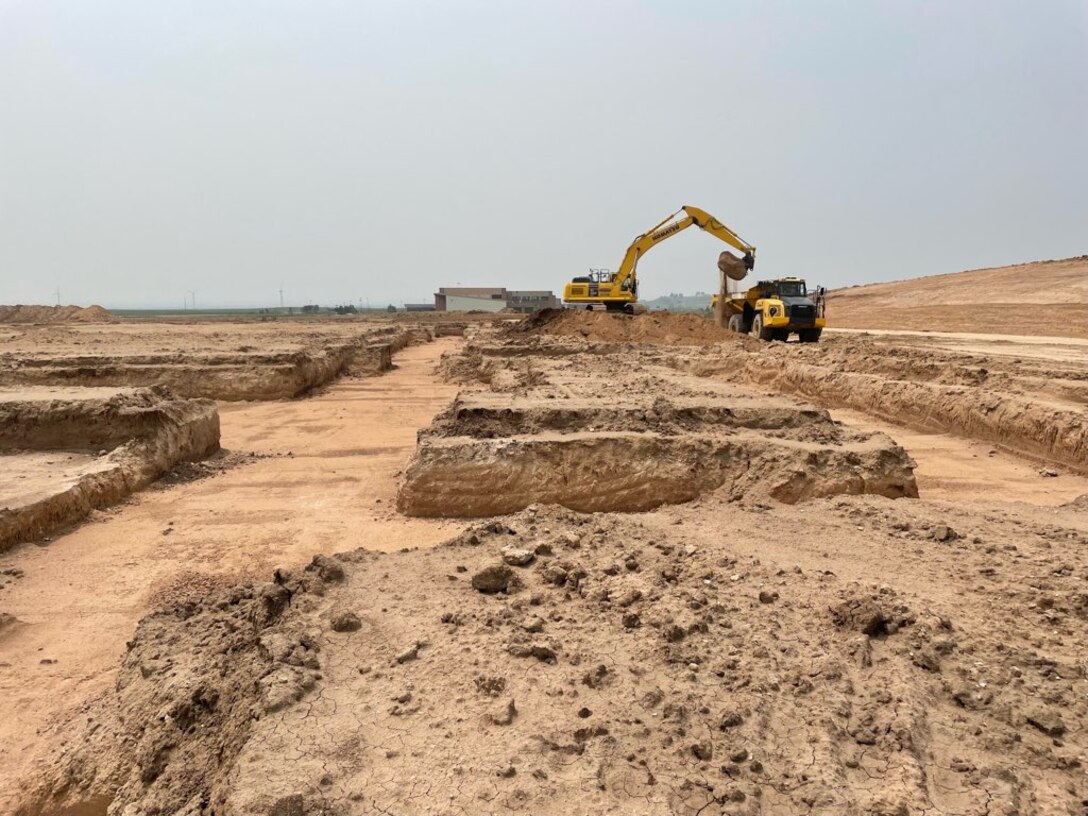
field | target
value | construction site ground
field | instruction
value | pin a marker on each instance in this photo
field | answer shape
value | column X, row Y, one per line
column 586, row 564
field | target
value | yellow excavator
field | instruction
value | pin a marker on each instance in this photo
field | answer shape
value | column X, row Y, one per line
column 618, row 291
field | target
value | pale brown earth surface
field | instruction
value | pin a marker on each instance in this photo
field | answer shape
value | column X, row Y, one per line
column 1048, row 298
column 781, row 629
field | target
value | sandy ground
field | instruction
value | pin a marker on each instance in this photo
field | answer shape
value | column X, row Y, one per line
column 1073, row 349
column 328, row 481
column 954, row 469
column 30, row 477
column 845, row 654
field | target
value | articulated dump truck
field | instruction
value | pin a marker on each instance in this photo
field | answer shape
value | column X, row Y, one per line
column 773, row 310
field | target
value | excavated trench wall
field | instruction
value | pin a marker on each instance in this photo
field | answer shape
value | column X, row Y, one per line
column 1017, row 424
column 228, row 376
column 145, row 431
column 496, row 453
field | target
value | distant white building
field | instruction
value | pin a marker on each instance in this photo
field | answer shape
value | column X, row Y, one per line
column 492, row 299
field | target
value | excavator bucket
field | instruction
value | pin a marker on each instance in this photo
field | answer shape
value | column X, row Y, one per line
column 731, row 266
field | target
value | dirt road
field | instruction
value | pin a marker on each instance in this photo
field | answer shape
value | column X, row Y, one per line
column 327, row 484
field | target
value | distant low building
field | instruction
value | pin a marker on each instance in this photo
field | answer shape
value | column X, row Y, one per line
column 492, row 299
column 470, row 299
column 419, row 307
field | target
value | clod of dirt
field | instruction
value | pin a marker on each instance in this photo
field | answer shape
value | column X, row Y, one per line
column 1047, row 720
column 9, row 622
column 496, row 578
column 346, row 622
column 517, row 556
column 944, row 533
column 503, row 714
column 409, row 654
column 861, row 615
column 327, row 569
column 703, row 750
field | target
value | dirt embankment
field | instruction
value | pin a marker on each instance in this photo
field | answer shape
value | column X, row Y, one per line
column 1041, row 298
column 1031, row 408
column 656, row 328
column 237, row 372
column 55, row 314
column 127, row 440
column 554, row 663
column 563, row 431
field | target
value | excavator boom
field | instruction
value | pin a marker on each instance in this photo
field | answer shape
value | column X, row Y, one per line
column 621, row 290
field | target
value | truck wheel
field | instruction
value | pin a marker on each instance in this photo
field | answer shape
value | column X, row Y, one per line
column 781, row 334
column 809, row 335
column 736, row 324
column 758, row 330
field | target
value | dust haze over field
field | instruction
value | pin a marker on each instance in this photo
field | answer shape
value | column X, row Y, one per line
column 578, row 561
column 379, row 150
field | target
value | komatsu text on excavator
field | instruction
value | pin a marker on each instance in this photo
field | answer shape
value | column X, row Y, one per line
column 618, row 291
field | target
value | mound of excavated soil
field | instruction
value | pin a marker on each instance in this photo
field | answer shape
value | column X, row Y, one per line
column 54, row 314
column 661, row 328
column 487, row 456
column 555, row 663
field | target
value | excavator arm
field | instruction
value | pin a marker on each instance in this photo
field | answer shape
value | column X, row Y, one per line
column 625, row 277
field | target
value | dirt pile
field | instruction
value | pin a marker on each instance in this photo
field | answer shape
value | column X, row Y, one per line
column 193, row 681
column 555, row 663
column 557, row 439
column 55, row 314
column 661, row 328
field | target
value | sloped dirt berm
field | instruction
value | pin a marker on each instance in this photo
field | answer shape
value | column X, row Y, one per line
column 67, row 451
column 573, row 435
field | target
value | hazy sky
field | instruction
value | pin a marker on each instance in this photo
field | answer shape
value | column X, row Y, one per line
column 381, row 149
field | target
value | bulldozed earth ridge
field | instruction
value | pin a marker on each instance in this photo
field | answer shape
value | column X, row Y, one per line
column 1031, row 406
column 568, row 441
column 553, row 662
column 67, row 453
column 215, row 370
